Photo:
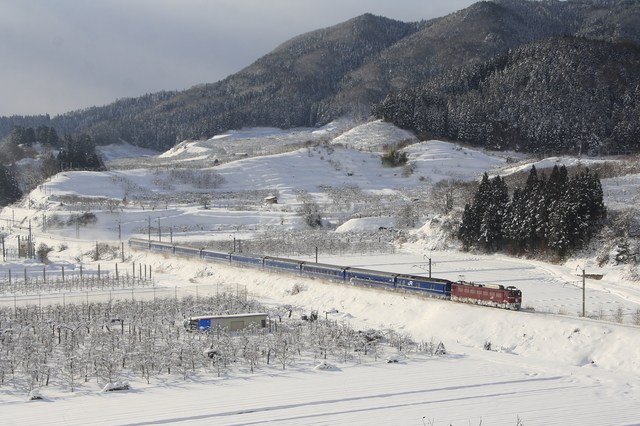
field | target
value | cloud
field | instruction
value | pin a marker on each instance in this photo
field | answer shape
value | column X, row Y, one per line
column 62, row 55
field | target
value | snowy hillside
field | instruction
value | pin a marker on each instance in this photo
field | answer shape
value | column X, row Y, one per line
column 501, row 366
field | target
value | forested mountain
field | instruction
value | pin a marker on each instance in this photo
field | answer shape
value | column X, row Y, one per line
column 557, row 95
column 343, row 70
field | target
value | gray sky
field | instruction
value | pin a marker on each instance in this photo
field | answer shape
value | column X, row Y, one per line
column 61, row 55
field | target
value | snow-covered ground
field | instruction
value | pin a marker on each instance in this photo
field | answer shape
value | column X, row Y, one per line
column 546, row 365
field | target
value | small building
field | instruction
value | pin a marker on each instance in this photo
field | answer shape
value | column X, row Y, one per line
column 271, row 199
column 233, row 322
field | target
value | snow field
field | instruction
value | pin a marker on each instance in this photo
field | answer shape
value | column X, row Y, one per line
column 546, row 364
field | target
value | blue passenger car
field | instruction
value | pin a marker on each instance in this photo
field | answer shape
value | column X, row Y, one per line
column 187, row 251
column 370, row 277
column 433, row 286
column 214, row 255
column 137, row 243
column 322, row 270
column 278, row 263
column 165, row 247
column 247, row 259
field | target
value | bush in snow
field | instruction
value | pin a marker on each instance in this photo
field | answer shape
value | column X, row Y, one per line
column 325, row 366
column 34, row 395
column 432, row 349
column 104, row 251
column 618, row 316
column 117, row 386
column 42, row 252
column 310, row 211
column 394, row 158
column 297, row 288
column 83, row 219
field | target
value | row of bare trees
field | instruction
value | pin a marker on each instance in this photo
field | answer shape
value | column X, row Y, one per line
column 72, row 345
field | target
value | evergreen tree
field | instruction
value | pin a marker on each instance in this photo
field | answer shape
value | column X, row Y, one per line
column 496, row 205
column 530, row 200
column 557, row 235
column 587, row 206
column 79, row 154
column 9, row 190
column 514, row 218
column 50, row 166
column 468, row 226
column 47, row 135
column 558, row 215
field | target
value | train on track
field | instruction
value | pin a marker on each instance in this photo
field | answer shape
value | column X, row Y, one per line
column 493, row 295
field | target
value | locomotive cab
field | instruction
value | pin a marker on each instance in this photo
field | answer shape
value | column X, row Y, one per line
column 514, row 297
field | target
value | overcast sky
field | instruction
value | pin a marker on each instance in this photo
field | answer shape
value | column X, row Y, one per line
column 62, row 55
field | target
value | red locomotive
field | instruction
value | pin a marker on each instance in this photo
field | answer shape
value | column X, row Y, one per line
column 495, row 295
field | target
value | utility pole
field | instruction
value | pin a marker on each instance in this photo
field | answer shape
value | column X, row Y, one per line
column 584, row 281
column 424, row 256
column 29, row 243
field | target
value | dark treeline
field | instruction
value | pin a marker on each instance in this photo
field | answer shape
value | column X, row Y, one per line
column 21, row 135
column 75, row 152
column 9, row 189
column 562, row 95
column 553, row 215
column 78, row 153
column 7, row 124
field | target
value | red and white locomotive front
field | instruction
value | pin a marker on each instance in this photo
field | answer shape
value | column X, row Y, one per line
column 487, row 295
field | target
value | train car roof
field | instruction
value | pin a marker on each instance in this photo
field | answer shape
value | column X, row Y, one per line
column 219, row 316
column 489, row 285
column 253, row 256
column 369, row 271
column 420, row 277
column 284, row 259
column 323, row 265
